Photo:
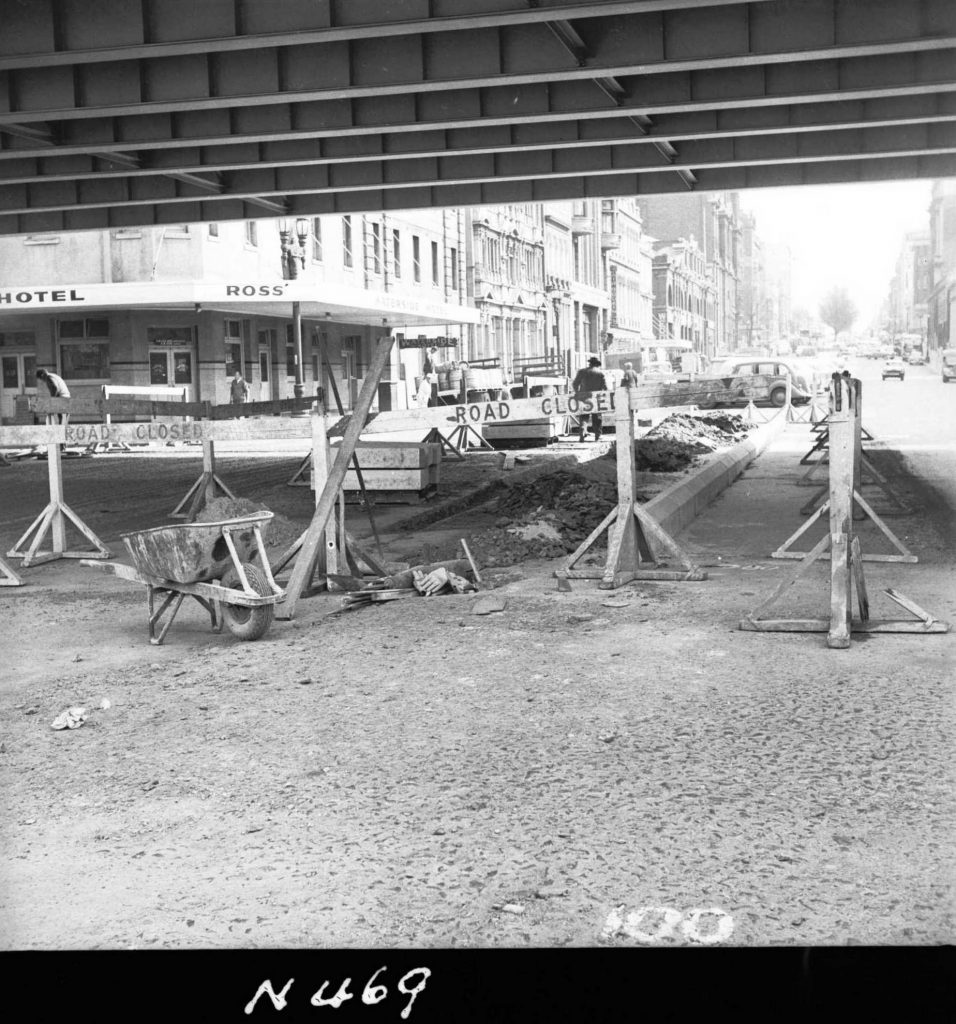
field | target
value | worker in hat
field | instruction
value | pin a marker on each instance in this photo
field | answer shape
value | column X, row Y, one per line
column 588, row 380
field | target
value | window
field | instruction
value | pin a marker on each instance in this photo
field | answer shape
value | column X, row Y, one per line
column 213, row 230
column 397, row 252
column 376, row 248
column 252, row 236
column 416, row 259
column 18, row 338
column 436, row 277
column 347, row 241
column 233, row 332
column 289, row 351
column 317, row 239
column 453, row 266
column 85, row 349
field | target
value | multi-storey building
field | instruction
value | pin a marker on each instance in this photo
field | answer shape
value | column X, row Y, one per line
column 713, row 221
column 187, row 305
column 753, row 308
column 683, row 301
column 941, row 302
column 506, row 282
column 630, row 277
column 910, row 286
column 577, row 301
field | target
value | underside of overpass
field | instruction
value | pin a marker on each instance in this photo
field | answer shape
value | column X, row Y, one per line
column 121, row 113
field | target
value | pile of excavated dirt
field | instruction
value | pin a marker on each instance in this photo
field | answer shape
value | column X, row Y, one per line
column 676, row 442
column 279, row 534
column 546, row 517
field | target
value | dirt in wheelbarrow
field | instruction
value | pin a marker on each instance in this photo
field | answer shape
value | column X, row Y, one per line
column 280, row 532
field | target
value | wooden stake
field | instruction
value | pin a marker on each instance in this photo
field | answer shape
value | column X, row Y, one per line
column 305, row 559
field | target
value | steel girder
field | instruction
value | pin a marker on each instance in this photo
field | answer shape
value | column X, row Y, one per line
column 119, row 114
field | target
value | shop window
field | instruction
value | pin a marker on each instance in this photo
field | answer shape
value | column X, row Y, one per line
column 158, row 368
column 182, row 368
column 85, row 360
column 85, row 349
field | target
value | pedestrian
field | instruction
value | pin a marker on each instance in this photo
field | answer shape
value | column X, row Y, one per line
column 431, row 363
column 629, row 378
column 238, row 389
column 58, row 389
column 588, row 380
column 55, row 383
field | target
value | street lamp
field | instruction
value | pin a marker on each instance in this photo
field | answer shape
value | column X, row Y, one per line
column 292, row 256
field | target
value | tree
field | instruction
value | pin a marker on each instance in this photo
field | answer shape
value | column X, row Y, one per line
column 838, row 311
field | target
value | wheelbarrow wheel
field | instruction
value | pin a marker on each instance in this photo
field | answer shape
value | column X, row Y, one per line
column 247, row 623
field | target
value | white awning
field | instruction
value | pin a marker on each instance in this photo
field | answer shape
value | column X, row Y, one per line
column 341, row 303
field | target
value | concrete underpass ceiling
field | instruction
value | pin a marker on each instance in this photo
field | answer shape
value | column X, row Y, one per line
column 122, row 113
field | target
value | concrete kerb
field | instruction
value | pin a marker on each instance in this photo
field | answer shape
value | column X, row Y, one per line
column 678, row 505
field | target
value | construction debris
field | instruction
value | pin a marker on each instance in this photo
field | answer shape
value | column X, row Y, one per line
column 72, row 718
column 677, row 441
column 440, row 581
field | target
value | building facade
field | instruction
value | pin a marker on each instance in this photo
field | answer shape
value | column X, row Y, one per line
column 684, row 303
column 713, row 221
column 941, row 302
column 910, row 287
column 185, row 306
column 506, row 282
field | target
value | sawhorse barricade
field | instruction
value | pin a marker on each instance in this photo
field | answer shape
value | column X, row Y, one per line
column 56, row 515
column 840, row 544
column 633, row 534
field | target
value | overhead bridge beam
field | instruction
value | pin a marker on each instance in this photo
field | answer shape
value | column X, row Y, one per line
column 639, row 46
column 695, row 93
column 288, row 185
column 493, row 193
column 306, row 24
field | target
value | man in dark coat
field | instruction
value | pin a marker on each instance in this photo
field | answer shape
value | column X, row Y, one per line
column 588, row 380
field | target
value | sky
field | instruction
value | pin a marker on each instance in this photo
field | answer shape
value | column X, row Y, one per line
column 841, row 235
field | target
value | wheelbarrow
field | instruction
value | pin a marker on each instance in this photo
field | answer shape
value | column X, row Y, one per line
column 210, row 562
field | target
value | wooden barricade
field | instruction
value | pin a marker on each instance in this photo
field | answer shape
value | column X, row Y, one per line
column 55, row 517
column 840, row 544
column 633, row 534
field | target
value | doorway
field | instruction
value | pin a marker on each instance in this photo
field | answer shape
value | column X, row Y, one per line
column 265, row 373
column 172, row 367
column 18, row 376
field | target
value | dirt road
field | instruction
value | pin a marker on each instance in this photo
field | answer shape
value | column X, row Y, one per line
column 584, row 768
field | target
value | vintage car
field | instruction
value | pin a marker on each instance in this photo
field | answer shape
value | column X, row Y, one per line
column 776, row 373
column 948, row 365
column 894, row 367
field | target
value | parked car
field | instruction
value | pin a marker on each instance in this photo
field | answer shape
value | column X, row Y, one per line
column 948, row 364
column 915, row 359
column 776, row 390
column 894, row 367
